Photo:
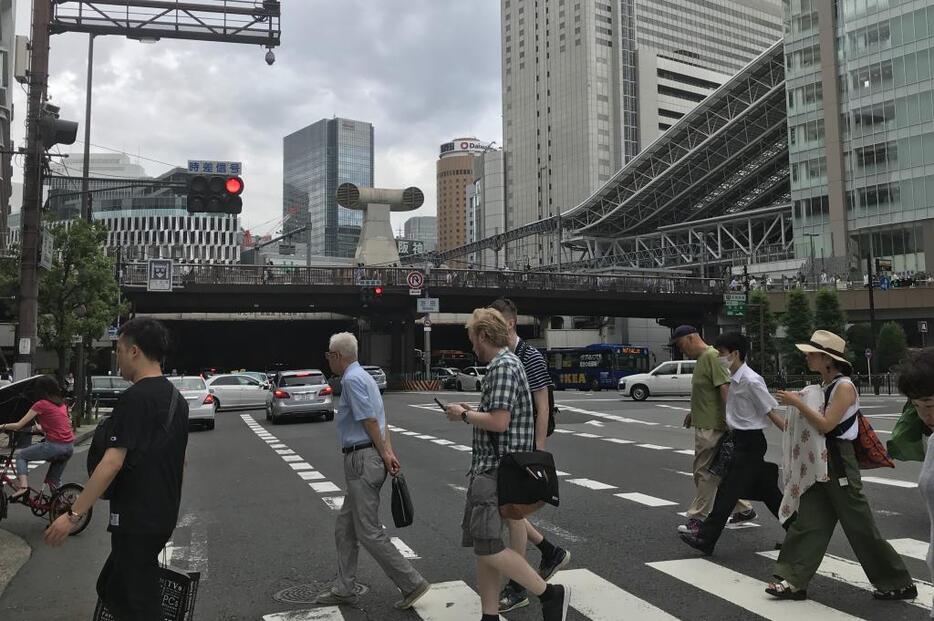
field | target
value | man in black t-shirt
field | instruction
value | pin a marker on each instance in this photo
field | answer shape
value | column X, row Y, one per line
column 144, row 459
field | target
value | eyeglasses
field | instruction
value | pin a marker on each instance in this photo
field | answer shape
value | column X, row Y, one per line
column 332, row 354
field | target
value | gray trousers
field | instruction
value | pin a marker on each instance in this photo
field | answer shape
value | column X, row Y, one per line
column 358, row 524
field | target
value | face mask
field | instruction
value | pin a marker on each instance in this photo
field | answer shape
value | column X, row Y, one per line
column 724, row 362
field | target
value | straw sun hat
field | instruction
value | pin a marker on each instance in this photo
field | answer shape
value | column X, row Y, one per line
column 824, row 342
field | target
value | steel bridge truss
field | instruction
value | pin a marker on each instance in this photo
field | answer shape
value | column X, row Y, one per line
column 758, row 236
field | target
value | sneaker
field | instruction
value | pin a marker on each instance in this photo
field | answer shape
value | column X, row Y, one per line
column 691, row 528
column 743, row 516
column 409, row 600
column 556, row 609
column 512, row 598
column 551, row 564
column 908, row 592
column 697, row 543
column 330, row 598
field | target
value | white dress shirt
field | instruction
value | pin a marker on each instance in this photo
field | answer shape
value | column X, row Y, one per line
column 749, row 401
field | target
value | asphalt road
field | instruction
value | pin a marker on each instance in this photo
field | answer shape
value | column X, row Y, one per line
column 258, row 514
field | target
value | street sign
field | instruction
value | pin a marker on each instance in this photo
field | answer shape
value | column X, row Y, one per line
column 25, row 346
column 160, row 275
column 112, row 332
column 414, row 292
column 868, row 354
column 428, row 305
column 370, row 282
column 215, row 167
column 427, row 322
column 735, row 304
column 923, row 327
column 47, row 250
column 416, row 280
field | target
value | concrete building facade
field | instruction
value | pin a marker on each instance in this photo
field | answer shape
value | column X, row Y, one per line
column 7, row 52
column 860, row 94
column 316, row 160
column 455, row 175
column 586, row 85
column 117, row 165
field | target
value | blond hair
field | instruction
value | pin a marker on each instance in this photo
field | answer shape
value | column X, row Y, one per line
column 489, row 324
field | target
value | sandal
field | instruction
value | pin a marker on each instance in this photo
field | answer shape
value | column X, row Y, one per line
column 18, row 494
column 908, row 592
column 783, row 590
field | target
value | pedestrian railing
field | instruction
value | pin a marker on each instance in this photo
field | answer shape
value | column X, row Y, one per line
column 881, row 384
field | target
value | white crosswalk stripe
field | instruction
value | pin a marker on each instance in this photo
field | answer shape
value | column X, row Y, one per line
column 325, row 613
column 912, row 548
column 644, row 499
column 601, row 600
column 449, row 600
column 745, row 592
column 851, row 572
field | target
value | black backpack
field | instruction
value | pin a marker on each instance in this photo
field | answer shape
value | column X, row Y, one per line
column 105, row 429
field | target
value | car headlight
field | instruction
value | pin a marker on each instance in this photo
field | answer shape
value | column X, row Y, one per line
column 622, row 386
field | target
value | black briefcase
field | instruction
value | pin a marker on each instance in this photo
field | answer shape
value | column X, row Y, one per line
column 403, row 513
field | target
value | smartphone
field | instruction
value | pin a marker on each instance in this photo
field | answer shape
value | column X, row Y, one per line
column 440, row 405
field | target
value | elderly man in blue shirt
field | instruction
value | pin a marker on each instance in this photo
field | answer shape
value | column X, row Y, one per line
column 368, row 456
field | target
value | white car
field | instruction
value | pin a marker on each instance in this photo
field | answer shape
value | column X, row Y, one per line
column 201, row 404
column 668, row 379
column 239, row 391
column 470, row 378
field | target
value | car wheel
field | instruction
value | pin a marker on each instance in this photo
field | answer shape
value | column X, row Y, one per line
column 210, row 425
column 274, row 419
column 217, row 405
column 595, row 385
column 639, row 393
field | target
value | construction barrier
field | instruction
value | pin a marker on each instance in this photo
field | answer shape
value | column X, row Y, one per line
column 421, row 385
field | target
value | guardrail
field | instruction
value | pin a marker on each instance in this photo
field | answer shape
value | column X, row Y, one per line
column 136, row 275
column 882, row 383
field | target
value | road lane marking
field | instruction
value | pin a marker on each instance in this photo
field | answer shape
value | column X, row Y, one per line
column 601, row 600
column 644, row 499
column 286, row 451
column 311, row 475
column 892, row 482
column 425, row 437
column 404, row 550
column 591, row 484
column 449, row 600
column 613, row 417
column 619, row 441
column 461, row 447
column 588, row 435
column 686, row 452
column 302, row 466
column 564, row 431
column 324, row 487
column 442, row 442
column 654, row 447
column 323, row 613
column 410, row 433
column 334, row 502
column 672, row 407
column 745, row 592
column 291, row 458
column 561, row 473
column 912, row 548
column 278, row 446
column 851, row 573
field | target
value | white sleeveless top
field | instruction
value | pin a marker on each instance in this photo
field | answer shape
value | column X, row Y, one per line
column 853, row 431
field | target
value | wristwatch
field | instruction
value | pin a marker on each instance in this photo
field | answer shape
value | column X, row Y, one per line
column 73, row 517
column 464, row 416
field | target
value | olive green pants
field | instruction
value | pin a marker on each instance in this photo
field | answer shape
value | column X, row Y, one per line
column 822, row 505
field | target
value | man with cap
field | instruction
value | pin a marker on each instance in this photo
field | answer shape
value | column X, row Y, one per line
column 709, row 387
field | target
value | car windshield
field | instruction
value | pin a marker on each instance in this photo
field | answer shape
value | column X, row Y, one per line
column 188, row 383
column 481, row 370
column 260, row 377
column 110, row 382
column 311, row 379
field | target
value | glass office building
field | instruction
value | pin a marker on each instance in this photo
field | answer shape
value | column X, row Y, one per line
column 860, row 90
column 316, row 160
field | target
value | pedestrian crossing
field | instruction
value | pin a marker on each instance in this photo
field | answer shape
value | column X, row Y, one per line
column 596, row 598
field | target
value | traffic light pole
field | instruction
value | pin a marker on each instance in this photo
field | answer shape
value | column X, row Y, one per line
column 32, row 189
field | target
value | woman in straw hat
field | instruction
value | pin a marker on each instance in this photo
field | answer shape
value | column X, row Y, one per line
column 839, row 499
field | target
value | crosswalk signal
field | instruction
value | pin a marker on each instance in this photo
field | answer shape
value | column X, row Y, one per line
column 377, row 292
column 215, row 194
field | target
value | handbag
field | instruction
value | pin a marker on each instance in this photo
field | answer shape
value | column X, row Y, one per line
column 179, row 589
column 103, row 432
column 723, row 458
column 525, row 482
column 868, row 448
column 403, row 513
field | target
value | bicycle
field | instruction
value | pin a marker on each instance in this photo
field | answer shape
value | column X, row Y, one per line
column 50, row 501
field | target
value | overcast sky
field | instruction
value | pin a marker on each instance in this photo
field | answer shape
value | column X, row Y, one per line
column 422, row 71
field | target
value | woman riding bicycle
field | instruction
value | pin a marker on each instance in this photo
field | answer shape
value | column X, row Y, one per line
column 51, row 413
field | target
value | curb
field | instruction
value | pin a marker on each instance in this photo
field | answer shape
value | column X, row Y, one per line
column 14, row 552
column 84, row 435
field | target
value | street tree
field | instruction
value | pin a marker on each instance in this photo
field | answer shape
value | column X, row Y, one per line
column 79, row 295
column 799, row 327
column 892, row 347
column 761, row 327
column 827, row 312
column 858, row 339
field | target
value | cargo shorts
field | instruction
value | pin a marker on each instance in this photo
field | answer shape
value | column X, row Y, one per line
column 483, row 526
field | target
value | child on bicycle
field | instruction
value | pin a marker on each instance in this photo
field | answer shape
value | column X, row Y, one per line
column 50, row 411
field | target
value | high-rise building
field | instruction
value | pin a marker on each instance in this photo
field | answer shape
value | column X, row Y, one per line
column 7, row 51
column 101, row 165
column 860, row 93
column 586, row 85
column 316, row 160
column 423, row 229
column 455, row 174
column 486, row 205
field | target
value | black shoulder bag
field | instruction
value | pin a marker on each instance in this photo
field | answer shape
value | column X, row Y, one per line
column 525, row 481
column 103, row 432
column 403, row 512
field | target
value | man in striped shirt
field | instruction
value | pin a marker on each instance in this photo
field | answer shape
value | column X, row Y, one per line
column 521, row 531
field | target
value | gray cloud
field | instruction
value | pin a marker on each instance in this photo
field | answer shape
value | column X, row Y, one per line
column 422, row 71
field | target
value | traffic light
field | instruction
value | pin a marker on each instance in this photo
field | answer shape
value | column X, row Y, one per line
column 370, row 295
column 377, row 292
column 215, row 194
column 53, row 131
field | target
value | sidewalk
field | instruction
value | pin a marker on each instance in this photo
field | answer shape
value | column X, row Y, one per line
column 14, row 552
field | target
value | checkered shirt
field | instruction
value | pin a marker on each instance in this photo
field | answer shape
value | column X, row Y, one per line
column 505, row 387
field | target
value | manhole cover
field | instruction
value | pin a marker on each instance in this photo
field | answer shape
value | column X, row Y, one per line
column 306, row 593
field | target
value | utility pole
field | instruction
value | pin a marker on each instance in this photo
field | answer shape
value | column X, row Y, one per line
column 32, row 191
column 872, row 311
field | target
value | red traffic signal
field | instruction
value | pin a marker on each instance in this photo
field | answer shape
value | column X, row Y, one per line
column 377, row 291
column 215, row 194
column 234, row 185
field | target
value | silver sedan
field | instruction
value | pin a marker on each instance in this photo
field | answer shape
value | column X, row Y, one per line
column 299, row 393
column 202, row 407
